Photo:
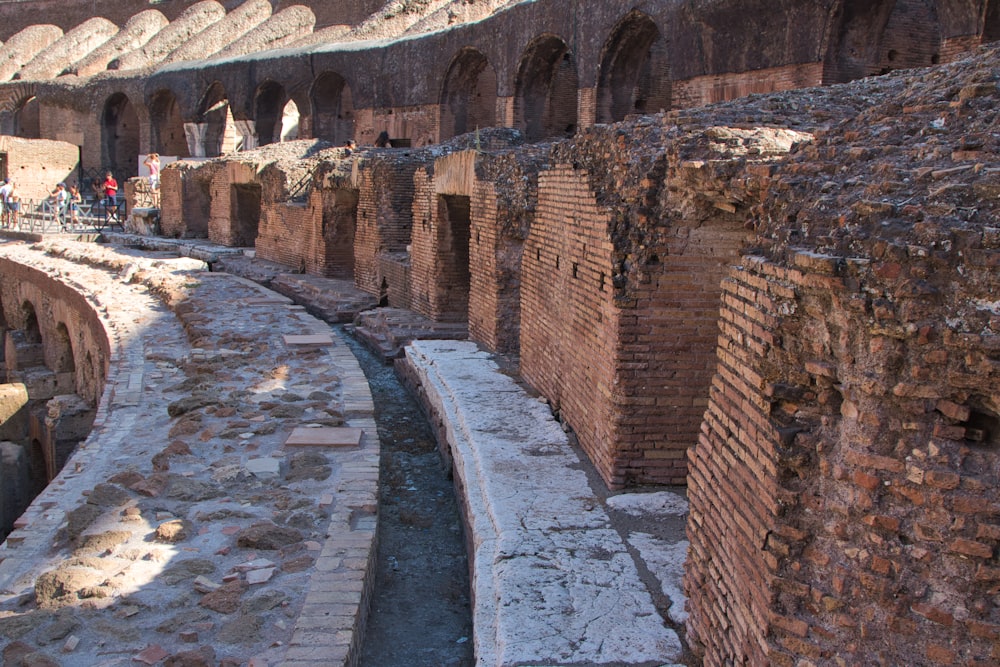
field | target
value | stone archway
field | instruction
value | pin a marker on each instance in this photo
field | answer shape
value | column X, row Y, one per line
column 167, row 124
column 870, row 37
column 27, row 124
column 469, row 94
column 626, row 81
column 214, row 119
column 120, row 137
column 268, row 107
column 546, row 90
column 332, row 108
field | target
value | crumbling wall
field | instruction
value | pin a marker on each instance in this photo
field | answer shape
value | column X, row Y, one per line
column 845, row 484
column 36, row 165
column 236, row 197
column 185, row 200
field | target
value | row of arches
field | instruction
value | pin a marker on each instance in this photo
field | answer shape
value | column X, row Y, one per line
column 633, row 76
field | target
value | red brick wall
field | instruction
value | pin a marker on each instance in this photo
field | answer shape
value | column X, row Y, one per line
column 844, row 490
column 569, row 323
column 185, row 206
column 486, row 313
column 385, row 215
column 421, row 125
column 721, row 87
column 36, row 165
column 291, row 234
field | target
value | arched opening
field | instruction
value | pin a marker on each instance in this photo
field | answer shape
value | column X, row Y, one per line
column 871, row 37
column 290, row 121
column 454, row 227
column 991, row 23
column 268, row 108
column 332, row 108
column 167, row 125
column 63, row 361
column 27, row 124
column 120, row 137
column 32, row 332
column 469, row 95
column 214, row 119
column 545, row 90
column 626, row 83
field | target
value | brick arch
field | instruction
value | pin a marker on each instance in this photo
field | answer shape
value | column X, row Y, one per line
column 214, row 117
column 63, row 360
column 30, row 327
column 545, row 89
column 876, row 36
column 991, row 22
column 626, row 80
column 469, row 94
column 332, row 108
column 268, row 103
column 167, row 124
column 120, row 136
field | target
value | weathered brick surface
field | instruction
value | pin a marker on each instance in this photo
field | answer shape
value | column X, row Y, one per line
column 844, row 486
column 37, row 165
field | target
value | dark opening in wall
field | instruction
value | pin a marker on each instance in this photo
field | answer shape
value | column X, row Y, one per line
column 245, row 218
column 454, row 215
column 340, row 221
column 982, row 428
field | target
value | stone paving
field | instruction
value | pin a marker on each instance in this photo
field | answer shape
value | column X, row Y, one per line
column 186, row 530
column 219, row 514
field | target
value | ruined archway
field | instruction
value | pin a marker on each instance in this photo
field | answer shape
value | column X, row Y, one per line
column 332, row 108
column 27, row 124
column 214, row 118
column 545, row 90
column 62, row 351
column 268, row 107
column 290, row 118
column 991, row 22
column 120, row 136
column 872, row 37
column 469, row 95
column 167, row 124
column 626, row 80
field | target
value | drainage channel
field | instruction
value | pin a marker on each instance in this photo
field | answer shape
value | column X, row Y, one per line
column 420, row 609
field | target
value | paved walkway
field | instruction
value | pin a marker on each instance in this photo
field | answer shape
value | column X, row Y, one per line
column 276, row 540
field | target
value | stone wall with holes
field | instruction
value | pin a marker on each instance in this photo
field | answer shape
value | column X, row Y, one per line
column 36, row 165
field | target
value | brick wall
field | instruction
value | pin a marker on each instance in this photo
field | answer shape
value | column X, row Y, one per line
column 227, row 225
column 568, row 319
column 185, row 204
column 721, row 87
column 420, row 125
column 36, row 165
column 844, row 490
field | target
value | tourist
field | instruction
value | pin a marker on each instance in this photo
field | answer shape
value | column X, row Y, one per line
column 60, row 197
column 152, row 162
column 13, row 207
column 109, row 189
column 5, row 191
column 75, row 200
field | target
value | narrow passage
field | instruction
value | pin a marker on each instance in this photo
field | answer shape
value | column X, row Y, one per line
column 420, row 611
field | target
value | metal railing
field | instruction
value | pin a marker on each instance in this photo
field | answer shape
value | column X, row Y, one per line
column 299, row 191
column 44, row 216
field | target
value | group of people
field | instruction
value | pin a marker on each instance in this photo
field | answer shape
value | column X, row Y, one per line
column 68, row 200
column 10, row 203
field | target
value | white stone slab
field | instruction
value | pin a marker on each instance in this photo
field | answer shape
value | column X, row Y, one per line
column 554, row 583
column 308, row 339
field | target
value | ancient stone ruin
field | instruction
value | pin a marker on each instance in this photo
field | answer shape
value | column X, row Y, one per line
column 746, row 247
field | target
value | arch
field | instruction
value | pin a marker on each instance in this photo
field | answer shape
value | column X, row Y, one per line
column 167, row 124
column 29, row 324
column 545, row 90
column 120, row 136
column 27, row 123
column 876, row 36
column 268, row 104
column 62, row 352
column 332, row 108
column 290, row 121
column 626, row 83
column 991, row 22
column 469, row 94
column 213, row 119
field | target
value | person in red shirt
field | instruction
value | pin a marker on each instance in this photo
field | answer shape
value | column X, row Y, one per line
column 110, row 189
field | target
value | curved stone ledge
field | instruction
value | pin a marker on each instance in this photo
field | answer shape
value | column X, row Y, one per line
column 149, row 443
column 552, row 581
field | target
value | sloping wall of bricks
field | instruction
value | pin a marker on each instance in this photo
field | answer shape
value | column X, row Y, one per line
column 292, row 233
